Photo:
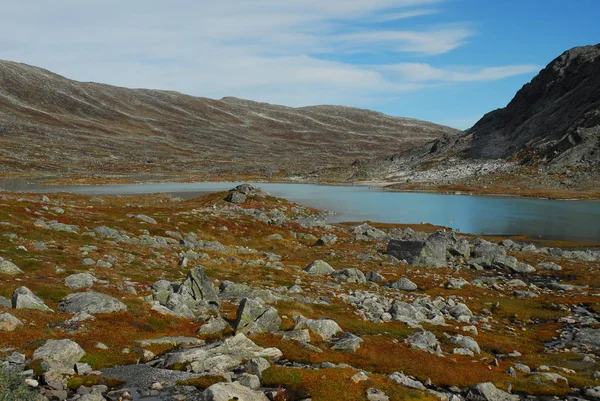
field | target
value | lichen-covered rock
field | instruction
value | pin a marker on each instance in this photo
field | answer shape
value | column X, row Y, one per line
column 80, row 280
column 403, row 284
column 59, row 354
column 326, row 328
column 349, row 275
column 198, row 286
column 489, row 392
column 231, row 391
column 253, row 318
column 425, row 341
column 23, row 298
column 8, row 322
column 319, row 268
column 9, row 268
column 90, row 302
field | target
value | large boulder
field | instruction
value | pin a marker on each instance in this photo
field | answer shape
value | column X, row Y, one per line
column 8, row 322
column 365, row 232
column 231, row 391
column 403, row 284
column 465, row 342
column 90, row 302
column 407, row 313
column 425, row 341
column 59, row 354
column 253, row 318
column 489, row 392
column 80, row 280
column 432, row 252
column 349, row 275
column 319, row 268
column 23, row 298
column 588, row 336
column 199, row 287
column 9, row 268
column 326, row 328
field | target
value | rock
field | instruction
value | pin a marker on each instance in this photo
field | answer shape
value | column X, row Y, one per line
column 417, row 253
column 249, row 380
column 326, row 328
column 254, row 318
column 9, row 268
column 250, row 190
column 460, row 312
column 406, row 381
column 198, row 285
column 588, row 336
column 174, row 341
column 374, row 394
column 235, row 197
column 359, row 377
column 60, row 355
column 485, row 251
column 349, row 275
column 23, row 298
column 231, row 391
column 319, row 268
column 257, row 366
column 593, row 392
column 80, row 280
column 549, row 266
column 213, row 325
column 302, row 335
column 143, row 217
column 456, row 283
column 489, row 392
column 90, row 302
column 327, row 239
column 347, row 342
column 8, row 322
column 406, row 313
column 365, row 232
column 5, row 302
column 465, row 342
column 404, row 284
column 425, row 341
column 374, row 277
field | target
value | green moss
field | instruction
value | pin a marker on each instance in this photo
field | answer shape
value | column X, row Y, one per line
column 92, row 380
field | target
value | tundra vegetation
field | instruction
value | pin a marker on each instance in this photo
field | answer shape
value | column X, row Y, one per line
column 245, row 295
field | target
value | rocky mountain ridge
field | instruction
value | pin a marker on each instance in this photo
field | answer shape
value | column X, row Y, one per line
column 52, row 124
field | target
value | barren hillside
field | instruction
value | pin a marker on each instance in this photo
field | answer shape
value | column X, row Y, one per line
column 55, row 125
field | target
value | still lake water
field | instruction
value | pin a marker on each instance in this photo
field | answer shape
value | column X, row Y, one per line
column 541, row 218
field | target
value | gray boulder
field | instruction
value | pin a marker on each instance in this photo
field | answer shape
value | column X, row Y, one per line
column 23, row 298
column 404, row 312
column 593, row 392
column 406, row 381
column 235, row 197
column 250, row 190
column 8, row 322
column 489, row 392
column 365, row 232
column 5, row 302
column 465, row 342
column 327, row 239
column 429, row 253
column 374, row 277
column 349, row 275
column 9, row 268
column 424, row 341
column 319, row 268
column 59, row 354
column 588, row 336
column 347, row 342
column 90, row 302
column 404, row 284
column 253, row 318
column 213, row 325
column 485, row 252
column 326, row 328
column 549, row 266
column 231, row 391
column 199, row 287
column 80, row 280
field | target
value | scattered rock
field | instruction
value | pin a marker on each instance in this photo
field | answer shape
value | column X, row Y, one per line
column 254, row 318
column 489, row 392
column 23, row 298
column 404, row 284
column 319, row 268
column 8, row 322
column 80, row 280
column 59, row 355
column 90, row 302
column 326, row 328
column 9, row 268
column 231, row 391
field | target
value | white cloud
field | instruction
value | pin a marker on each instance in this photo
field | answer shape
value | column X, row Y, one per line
column 422, row 72
column 280, row 51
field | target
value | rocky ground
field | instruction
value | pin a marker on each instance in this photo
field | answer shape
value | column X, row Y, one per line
column 243, row 296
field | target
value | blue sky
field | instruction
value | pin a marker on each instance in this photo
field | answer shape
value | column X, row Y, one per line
column 446, row 61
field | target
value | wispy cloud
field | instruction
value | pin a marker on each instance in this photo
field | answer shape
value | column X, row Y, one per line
column 281, row 51
column 422, row 72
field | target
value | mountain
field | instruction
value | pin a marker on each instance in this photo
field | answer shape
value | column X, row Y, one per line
column 553, row 120
column 51, row 124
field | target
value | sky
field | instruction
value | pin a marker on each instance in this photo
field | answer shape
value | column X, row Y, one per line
column 446, row 61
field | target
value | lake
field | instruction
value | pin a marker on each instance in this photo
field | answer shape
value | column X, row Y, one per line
column 540, row 218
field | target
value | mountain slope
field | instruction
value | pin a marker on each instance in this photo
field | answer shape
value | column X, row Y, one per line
column 554, row 119
column 52, row 124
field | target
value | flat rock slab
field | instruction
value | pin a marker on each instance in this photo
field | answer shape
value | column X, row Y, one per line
column 231, row 391
column 90, row 302
column 181, row 340
column 142, row 376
